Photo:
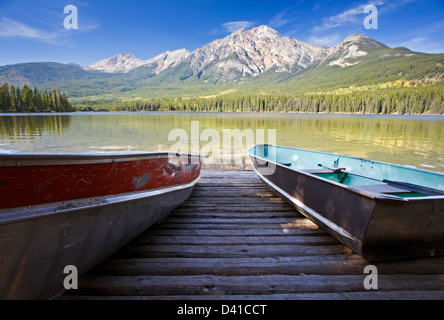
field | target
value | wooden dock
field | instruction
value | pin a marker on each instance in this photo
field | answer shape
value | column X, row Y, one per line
column 235, row 240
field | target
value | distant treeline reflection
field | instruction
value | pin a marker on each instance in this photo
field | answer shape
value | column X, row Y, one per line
column 413, row 100
column 32, row 126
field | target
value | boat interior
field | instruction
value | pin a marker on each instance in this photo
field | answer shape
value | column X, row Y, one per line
column 367, row 176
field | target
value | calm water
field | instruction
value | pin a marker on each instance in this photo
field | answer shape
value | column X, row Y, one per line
column 409, row 140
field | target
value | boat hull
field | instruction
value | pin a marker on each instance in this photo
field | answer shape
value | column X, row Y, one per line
column 39, row 241
column 376, row 227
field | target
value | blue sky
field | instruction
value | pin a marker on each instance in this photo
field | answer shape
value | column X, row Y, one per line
column 33, row 31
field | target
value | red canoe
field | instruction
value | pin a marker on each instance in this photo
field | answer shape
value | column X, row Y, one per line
column 75, row 210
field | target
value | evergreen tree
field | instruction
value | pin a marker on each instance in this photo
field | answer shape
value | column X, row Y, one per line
column 14, row 101
column 5, row 98
column 26, row 99
column 19, row 106
column 37, row 101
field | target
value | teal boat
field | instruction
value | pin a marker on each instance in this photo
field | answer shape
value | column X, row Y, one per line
column 380, row 210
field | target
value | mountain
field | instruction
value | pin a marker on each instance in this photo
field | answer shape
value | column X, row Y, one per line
column 352, row 49
column 243, row 53
column 119, row 63
column 43, row 72
column 256, row 60
column 246, row 53
column 123, row 63
column 168, row 59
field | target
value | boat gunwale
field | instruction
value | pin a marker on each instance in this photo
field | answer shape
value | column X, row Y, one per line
column 409, row 167
column 47, row 159
column 19, row 214
column 368, row 194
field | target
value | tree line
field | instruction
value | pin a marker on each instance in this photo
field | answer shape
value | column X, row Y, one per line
column 418, row 100
column 28, row 100
column 399, row 100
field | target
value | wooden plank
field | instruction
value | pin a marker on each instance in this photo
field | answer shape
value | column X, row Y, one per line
column 231, row 250
column 320, row 265
column 203, row 196
column 367, row 295
column 219, row 208
column 238, row 195
column 231, row 184
column 250, row 285
column 233, row 176
column 250, row 240
column 234, row 215
column 232, row 195
column 225, row 232
column 237, row 175
column 245, row 221
column 295, row 224
column 238, row 298
column 221, row 236
column 209, row 174
column 243, row 202
column 224, row 172
column 241, row 188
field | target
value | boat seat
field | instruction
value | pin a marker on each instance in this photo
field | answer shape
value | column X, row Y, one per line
column 317, row 171
column 382, row 188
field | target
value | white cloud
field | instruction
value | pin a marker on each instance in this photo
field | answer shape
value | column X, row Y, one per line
column 279, row 20
column 11, row 29
column 421, row 44
column 423, row 39
column 235, row 25
column 328, row 40
column 395, row 5
column 353, row 15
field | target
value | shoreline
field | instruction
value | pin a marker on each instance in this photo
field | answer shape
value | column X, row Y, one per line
column 224, row 112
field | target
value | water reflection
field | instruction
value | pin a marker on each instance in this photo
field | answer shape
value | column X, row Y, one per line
column 411, row 140
column 23, row 126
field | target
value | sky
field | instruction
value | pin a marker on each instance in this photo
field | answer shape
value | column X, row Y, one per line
column 42, row 31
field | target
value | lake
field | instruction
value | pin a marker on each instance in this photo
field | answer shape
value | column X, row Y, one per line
column 410, row 140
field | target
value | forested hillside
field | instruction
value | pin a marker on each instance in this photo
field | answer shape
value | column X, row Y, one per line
column 399, row 100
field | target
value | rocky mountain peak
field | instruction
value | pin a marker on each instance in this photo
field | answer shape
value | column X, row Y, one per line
column 364, row 41
column 118, row 63
column 246, row 53
column 265, row 31
column 168, row 59
column 355, row 37
column 350, row 51
column 252, row 52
